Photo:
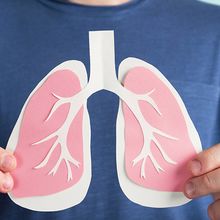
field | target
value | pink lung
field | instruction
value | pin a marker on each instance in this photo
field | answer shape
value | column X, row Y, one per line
column 34, row 127
column 172, row 121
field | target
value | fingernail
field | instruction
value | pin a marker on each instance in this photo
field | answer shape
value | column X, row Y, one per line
column 7, row 161
column 7, row 184
column 196, row 167
column 190, row 189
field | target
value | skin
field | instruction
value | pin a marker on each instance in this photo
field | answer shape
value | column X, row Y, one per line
column 205, row 167
column 7, row 164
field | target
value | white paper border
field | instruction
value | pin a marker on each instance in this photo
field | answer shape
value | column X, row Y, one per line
column 136, row 193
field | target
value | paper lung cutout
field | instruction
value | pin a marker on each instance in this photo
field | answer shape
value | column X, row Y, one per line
column 52, row 148
column 51, row 138
column 154, row 146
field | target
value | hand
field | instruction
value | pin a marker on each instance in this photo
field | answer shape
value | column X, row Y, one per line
column 7, row 164
column 205, row 169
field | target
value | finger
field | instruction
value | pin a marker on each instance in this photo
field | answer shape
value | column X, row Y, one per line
column 205, row 161
column 7, row 160
column 214, row 211
column 203, row 185
column 6, row 182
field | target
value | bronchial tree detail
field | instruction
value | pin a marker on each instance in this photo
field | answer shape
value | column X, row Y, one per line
column 76, row 102
column 103, row 76
column 149, row 132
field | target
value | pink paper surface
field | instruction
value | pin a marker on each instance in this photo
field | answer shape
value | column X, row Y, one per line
column 36, row 182
column 141, row 80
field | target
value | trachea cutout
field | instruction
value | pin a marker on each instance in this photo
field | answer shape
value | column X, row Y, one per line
column 51, row 139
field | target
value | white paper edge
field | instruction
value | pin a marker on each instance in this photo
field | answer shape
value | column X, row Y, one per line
column 212, row 2
column 136, row 193
column 75, row 194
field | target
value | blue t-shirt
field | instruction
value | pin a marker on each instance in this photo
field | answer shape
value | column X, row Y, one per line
column 180, row 38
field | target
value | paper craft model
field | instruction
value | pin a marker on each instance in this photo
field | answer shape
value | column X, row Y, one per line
column 51, row 139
